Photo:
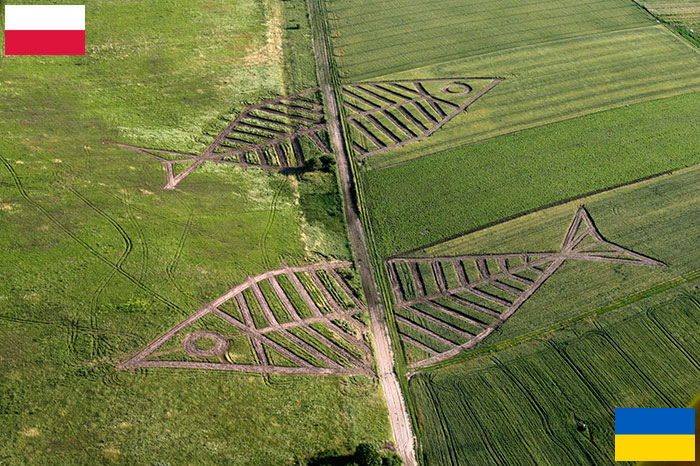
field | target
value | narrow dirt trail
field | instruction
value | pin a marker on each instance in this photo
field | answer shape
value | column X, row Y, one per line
column 400, row 421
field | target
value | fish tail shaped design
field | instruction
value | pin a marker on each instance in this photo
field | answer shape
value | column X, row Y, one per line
column 284, row 132
column 277, row 134
column 445, row 305
column 584, row 242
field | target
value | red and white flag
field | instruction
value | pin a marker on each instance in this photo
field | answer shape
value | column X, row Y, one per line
column 44, row 29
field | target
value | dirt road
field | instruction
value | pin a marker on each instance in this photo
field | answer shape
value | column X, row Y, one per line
column 400, row 420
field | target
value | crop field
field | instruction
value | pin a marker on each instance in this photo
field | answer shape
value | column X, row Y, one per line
column 558, row 81
column 530, row 242
column 434, row 198
column 686, row 13
column 370, row 36
column 258, row 315
column 99, row 260
column 487, row 288
column 548, row 401
column 625, row 58
column 651, row 221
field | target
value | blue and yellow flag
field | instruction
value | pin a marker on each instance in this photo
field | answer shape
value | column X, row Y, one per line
column 654, row 434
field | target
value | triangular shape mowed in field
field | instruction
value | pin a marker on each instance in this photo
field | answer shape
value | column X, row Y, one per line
column 445, row 305
column 295, row 320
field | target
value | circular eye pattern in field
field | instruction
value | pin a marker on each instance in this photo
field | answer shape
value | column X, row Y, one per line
column 196, row 341
column 457, row 89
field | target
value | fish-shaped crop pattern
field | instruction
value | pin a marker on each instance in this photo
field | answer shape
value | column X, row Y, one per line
column 285, row 132
column 277, row 134
column 295, row 320
column 445, row 305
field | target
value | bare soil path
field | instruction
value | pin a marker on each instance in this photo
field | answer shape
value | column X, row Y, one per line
column 400, row 421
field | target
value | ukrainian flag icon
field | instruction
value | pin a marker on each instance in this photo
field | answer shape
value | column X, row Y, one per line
column 654, row 434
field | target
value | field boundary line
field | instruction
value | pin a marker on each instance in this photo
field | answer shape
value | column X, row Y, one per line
column 525, row 127
column 399, row 418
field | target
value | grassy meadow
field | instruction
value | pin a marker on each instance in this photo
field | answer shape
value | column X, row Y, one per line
column 98, row 260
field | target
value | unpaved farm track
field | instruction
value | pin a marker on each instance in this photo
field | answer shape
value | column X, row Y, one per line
column 398, row 414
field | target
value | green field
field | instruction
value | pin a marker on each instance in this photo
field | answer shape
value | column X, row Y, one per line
column 434, row 198
column 686, row 13
column 601, row 55
column 595, row 336
column 552, row 401
column 595, row 94
column 374, row 38
column 657, row 218
column 556, row 81
column 98, row 260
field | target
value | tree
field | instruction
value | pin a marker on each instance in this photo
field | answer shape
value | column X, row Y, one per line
column 327, row 162
column 391, row 459
column 312, row 163
column 367, row 454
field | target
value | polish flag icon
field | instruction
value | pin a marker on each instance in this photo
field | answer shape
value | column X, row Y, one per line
column 44, row 29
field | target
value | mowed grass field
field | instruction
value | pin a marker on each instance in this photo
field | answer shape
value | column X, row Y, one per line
column 552, row 401
column 436, row 197
column 98, row 260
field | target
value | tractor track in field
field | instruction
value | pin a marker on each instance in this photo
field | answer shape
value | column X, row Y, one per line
column 90, row 249
column 170, row 268
column 398, row 414
column 652, row 316
column 270, row 222
column 126, row 200
column 98, row 342
column 537, row 407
